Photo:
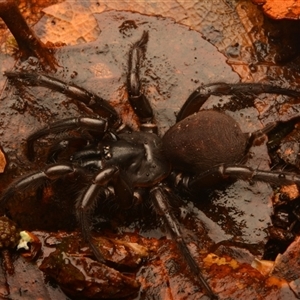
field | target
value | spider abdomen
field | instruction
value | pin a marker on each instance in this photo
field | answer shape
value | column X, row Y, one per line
column 204, row 140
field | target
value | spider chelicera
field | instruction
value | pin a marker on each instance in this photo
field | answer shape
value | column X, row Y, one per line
column 201, row 149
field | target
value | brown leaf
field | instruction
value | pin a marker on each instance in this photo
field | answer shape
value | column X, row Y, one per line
column 278, row 9
column 2, row 161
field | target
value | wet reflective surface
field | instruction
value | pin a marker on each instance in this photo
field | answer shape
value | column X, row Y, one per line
column 234, row 217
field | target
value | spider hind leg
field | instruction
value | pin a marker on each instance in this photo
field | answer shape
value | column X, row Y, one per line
column 242, row 172
column 161, row 203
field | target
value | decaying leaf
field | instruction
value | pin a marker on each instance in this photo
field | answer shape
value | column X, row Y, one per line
column 162, row 277
column 84, row 277
column 2, row 161
column 71, row 22
column 278, row 9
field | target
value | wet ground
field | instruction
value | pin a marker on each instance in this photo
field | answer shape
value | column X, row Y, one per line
column 232, row 220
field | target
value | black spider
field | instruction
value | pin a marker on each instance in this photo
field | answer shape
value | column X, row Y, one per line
column 201, row 149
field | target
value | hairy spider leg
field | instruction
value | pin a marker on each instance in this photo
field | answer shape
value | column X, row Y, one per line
column 98, row 125
column 88, row 200
column 65, row 143
column 91, row 100
column 37, row 179
column 29, row 44
column 161, row 203
column 202, row 93
column 236, row 171
column 91, row 155
column 137, row 99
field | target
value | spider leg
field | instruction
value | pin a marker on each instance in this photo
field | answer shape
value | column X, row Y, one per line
column 63, row 144
column 235, row 171
column 29, row 44
column 91, row 100
column 202, row 93
column 86, row 203
column 98, row 125
column 161, row 204
column 137, row 99
column 35, row 180
column 91, row 154
column 258, row 134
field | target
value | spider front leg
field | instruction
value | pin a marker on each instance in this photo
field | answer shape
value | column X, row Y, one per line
column 97, row 190
column 97, row 125
column 202, row 93
column 95, row 103
column 64, row 144
column 138, row 101
column 86, row 203
column 37, row 179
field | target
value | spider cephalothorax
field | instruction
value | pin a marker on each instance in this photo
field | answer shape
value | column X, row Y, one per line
column 198, row 151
